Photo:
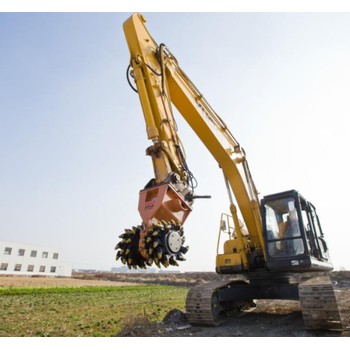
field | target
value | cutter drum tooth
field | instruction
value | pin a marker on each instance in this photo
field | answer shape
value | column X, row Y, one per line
column 120, row 254
column 128, row 241
column 164, row 258
column 165, row 261
column 127, row 252
column 159, row 252
column 184, row 250
column 148, row 239
column 150, row 251
column 155, row 244
column 172, row 261
column 156, row 226
column 149, row 262
column 155, row 233
column 180, row 257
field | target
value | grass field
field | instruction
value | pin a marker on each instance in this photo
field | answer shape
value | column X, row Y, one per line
column 83, row 311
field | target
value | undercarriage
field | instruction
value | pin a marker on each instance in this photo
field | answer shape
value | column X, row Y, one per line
column 212, row 303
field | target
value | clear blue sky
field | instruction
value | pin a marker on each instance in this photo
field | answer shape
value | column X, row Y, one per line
column 72, row 135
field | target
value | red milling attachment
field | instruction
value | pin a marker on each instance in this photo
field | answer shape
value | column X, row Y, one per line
column 160, row 237
column 162, row 203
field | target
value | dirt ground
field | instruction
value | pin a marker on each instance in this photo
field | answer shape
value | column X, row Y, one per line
column 270, row 318
column 23, row 281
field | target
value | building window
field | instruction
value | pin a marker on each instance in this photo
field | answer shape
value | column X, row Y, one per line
column 55, row 256
column 3, row 267
column 33, row 253
column 8, row 251
column 53, row 269
column 21, row 252
column 42, row 268
column 45, row 255
column 30, row 268
column 18, row 267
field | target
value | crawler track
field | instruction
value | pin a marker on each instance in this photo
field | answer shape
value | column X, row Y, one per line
column 202, row 306
column 319, row 304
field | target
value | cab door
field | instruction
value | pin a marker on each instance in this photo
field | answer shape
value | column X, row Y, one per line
column 315, row 238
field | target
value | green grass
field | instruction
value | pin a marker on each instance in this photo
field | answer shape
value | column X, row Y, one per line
column 82, row 311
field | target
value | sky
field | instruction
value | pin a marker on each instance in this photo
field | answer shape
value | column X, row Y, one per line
column 73, row 139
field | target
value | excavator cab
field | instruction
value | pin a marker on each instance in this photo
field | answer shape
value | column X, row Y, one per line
column 293, row 236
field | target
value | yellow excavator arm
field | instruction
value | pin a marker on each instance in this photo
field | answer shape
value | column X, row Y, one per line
column 154, row 95
column 160, row 82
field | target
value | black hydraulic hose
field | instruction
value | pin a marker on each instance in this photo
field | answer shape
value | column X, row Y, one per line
column 128, row 78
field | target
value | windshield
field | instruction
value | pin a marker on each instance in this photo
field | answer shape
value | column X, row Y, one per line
column 282, row 228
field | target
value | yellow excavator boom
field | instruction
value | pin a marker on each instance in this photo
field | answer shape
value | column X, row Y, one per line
column 160, row 83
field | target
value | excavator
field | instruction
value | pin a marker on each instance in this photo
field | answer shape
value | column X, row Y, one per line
column 274, row 247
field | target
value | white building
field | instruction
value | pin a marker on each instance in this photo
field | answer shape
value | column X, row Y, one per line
column 28, row 259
